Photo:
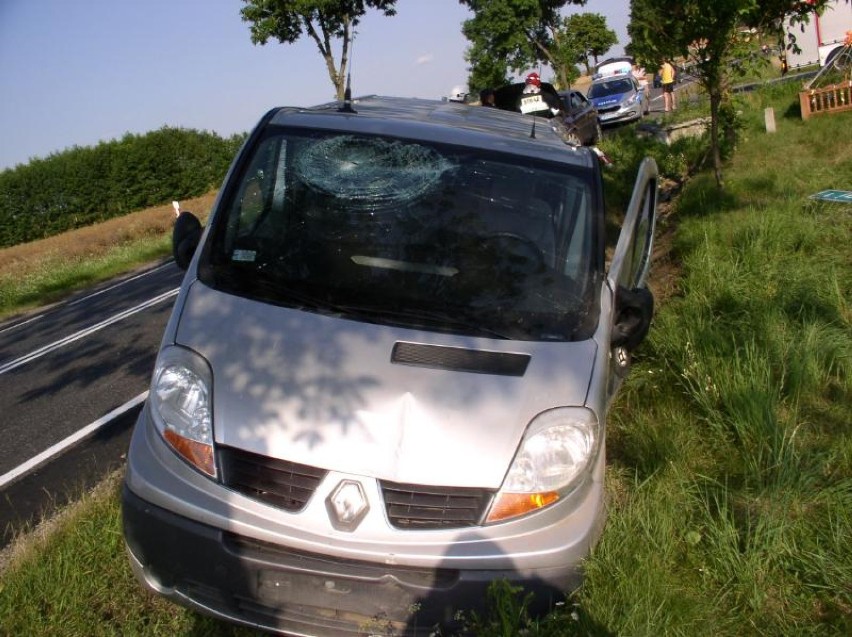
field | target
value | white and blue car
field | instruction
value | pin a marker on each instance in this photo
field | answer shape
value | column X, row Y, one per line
column 619, row 98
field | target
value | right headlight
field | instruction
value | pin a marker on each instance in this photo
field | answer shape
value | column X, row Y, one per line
column 181, row 406
column 552, row 459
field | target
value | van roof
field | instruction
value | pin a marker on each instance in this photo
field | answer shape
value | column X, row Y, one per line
column 439, row 121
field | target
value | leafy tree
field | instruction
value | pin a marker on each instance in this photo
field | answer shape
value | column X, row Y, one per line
column 591, row 35
column 517, row 35
column 705, row 35
column 485, row 71
column 323, row 21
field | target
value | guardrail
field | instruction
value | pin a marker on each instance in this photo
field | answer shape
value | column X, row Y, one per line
column 833, row 98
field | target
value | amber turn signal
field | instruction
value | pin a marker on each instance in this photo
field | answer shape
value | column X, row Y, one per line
column 197, row 454
column 512, row 505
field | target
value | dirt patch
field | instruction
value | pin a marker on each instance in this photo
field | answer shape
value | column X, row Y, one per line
column 663, row 279
column 664, row 276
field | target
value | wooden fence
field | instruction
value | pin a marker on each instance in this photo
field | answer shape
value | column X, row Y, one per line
column 828, row 99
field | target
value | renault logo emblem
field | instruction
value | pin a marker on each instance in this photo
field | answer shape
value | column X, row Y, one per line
column 347, row 505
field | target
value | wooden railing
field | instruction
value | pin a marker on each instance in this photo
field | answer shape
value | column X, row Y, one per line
column 834, row 98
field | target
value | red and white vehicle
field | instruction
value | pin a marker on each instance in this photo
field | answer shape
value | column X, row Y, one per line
column 821, row 38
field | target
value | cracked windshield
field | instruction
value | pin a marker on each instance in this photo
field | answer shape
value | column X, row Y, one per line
column 412, row 234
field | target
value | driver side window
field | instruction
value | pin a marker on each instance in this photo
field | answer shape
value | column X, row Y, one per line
column 253, row 201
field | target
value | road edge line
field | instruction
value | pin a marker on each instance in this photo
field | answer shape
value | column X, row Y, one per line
column 62, row 445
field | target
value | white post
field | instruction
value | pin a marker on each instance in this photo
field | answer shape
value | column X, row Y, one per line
column 769, row 118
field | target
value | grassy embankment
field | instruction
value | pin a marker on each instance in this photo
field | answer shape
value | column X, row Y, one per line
column 40, row 272
column 730, row 450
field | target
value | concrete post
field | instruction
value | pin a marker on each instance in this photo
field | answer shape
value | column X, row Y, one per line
column 769, row 118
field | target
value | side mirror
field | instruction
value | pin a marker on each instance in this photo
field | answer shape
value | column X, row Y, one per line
column 633, row 312
column 185, row 238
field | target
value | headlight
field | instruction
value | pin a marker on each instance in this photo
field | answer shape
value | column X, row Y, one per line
column 632, row 99
column 181, row 405
column 553, row 457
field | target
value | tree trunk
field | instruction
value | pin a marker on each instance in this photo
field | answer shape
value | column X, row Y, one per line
column 715, row 101
column 340, row 84
column 338, row 78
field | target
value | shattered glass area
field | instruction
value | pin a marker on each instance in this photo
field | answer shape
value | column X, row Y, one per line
column 412, row 233
column 370, row 173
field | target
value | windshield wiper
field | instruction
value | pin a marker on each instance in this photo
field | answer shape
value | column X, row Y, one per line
column 419, row 318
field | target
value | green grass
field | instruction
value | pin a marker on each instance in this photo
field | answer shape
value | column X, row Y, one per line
column 78, row 582
column 48, row 270
column 55, row 278
column 729, row 475
column 730, row 448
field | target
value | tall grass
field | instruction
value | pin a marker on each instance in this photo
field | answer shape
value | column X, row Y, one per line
column 731, row 446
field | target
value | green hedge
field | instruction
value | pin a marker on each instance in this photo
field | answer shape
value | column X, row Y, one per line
column 82, row 186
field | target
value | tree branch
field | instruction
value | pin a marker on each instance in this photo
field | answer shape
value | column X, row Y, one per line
column 324, row 46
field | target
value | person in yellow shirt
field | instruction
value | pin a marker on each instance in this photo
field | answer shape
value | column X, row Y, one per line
column 667, row 80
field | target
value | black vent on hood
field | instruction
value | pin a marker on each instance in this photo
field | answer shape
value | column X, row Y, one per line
column 459, row 359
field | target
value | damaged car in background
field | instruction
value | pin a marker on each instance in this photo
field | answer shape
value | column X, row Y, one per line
column 385, row 381
column 574, row 116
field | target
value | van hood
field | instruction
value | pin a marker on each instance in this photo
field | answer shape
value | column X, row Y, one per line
column 396, row 404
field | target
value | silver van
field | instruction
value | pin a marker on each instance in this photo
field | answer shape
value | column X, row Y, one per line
column 385, row 381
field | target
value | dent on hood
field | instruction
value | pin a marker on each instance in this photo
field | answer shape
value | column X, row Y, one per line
column 323, row 391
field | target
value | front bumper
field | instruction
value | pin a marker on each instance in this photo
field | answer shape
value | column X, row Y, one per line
column 270, row 587
column 256, row 571
column 621, row 114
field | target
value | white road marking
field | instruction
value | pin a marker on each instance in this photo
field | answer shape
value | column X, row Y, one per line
column 116, row 285
column 22, row 323
column 62, row 445
column 9, row 328
column 14, row 364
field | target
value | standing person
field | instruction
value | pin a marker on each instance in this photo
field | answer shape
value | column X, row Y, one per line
column 667, row 80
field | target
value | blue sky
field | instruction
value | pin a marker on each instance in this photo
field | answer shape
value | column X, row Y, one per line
column 76, row 72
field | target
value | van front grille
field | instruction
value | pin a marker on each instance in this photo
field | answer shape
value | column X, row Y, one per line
column 287, row 485
column 414, row 506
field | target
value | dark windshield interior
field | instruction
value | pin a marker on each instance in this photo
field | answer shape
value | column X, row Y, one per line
column 411, row 234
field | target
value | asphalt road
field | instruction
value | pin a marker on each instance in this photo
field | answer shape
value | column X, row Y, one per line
column 72, row 380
